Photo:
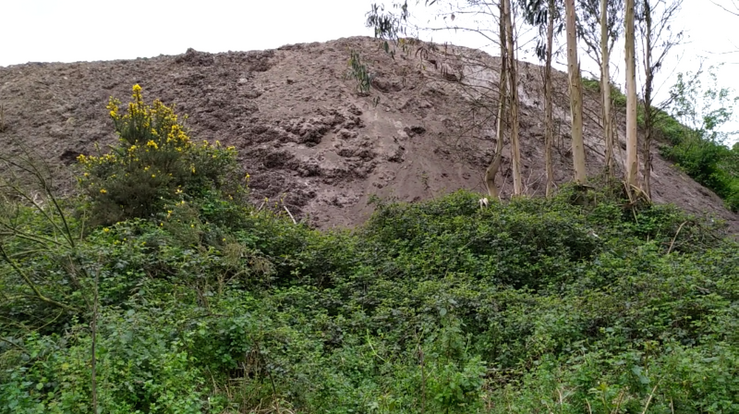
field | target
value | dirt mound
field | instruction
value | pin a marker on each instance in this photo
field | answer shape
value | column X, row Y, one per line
column 308, row 138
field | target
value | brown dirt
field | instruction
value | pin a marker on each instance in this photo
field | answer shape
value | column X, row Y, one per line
column 309, row 139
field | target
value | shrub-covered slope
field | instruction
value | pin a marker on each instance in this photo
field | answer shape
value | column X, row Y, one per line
column 203, row 303
column 531, row 306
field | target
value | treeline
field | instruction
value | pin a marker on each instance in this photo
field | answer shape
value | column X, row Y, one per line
column 647, row 28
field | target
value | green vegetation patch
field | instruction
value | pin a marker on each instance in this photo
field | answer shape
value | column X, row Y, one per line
column 581, row 303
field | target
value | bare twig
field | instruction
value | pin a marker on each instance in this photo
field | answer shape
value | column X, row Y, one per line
column 672, row 243
column 650, row 398
column 7, row 341
column 290, row 214
column 29, row 282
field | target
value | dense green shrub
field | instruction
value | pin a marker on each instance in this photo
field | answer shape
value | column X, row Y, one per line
column 709, row 163
column 155, row 164
column 699, row 147
column 582, row 302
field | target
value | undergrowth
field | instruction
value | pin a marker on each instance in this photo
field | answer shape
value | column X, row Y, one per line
column 581, row 303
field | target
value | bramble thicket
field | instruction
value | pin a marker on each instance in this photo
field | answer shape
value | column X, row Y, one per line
column 160, row 289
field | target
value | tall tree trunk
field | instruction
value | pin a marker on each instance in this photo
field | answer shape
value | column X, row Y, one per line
column 648, row 113
column 605, row 85
column 632, row 162
column 548, row 96
column 578, row 146
column 513, row 90
column 494, row 165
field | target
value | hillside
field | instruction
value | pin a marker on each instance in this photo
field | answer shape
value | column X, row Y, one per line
column 169, row 288
column 308, row 138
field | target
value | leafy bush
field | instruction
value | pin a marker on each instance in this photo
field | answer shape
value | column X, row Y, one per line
column 710, row 164
column 699, row 147
column 155, row 164
column 591, row 85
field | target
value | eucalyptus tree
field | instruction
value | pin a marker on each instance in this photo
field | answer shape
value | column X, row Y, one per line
column 543, row 14
column 632, row 157
column 655, row 20
column 390, row 26
column 492, row 170
column 575, row 81
column 600, row 25
column 513, row 86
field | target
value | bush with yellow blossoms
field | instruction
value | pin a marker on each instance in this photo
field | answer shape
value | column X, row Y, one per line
column 155, row 164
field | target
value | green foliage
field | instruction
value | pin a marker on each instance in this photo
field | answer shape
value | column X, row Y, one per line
column 691, row 126
column 591, row 85
column 360, row 73
column 711, row 164
column 563, row 304
column 154, row 165
column 699, row 146
column 579, row 303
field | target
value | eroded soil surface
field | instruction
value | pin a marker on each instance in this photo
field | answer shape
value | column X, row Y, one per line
column 310, row 140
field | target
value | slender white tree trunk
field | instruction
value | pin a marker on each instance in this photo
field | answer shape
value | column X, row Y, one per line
column 494, row 165
column 513, row 88
column 632, row 162
column 548, row 96
column 578, row 146
column 605, row 85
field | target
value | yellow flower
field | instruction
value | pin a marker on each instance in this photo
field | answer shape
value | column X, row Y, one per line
column 153, row 176
column 192, row 168
column 105, row 230
column 103, row 191
column 152, row 144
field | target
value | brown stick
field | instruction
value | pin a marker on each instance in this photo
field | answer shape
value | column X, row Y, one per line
column 672, row 243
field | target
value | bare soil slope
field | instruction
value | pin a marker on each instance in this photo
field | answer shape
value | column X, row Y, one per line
column 309, row 139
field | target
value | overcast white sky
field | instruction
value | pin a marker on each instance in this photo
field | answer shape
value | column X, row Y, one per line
column 88, row 30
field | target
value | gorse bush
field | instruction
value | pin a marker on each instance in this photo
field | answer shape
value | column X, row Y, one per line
column 155, row 164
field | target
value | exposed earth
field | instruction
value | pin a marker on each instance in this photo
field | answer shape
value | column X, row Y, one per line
column 310, row 140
